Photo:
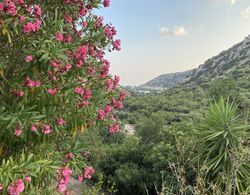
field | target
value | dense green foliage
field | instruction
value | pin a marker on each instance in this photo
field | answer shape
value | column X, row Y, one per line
column 192, row 139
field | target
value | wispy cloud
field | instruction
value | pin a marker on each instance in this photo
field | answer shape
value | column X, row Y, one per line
column 176, row 31
column 232, row 2
column 246, row 13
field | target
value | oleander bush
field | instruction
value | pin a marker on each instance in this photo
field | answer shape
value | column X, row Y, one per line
column 54, row 86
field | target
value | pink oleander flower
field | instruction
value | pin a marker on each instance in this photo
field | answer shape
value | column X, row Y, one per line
column 122, row 96
column 69, row 156
column 91, row 70
column 83, row 104
column 27, row 179
column 81, row 52
column 106, row 3
column 37, row 10
column 46, row 129
column 1, row 186
column 84, row 24
column 65, row 174
column 37, row 24
column 10, row 8
column 116, row 82
column 65, row 171
column 109, row 85
column 67, row 67
column 33, row 128
column 67, row 1
column 80, row 178
column 113, row 128
column 79, row 64
column 109, row 32
column 16, row 188
column 30, row 83
column 61, row 187
column 32, row 27
column 83, row 11
column 54, row 63
column 108, row 109
column 59, row 36
column 119, row 105
column 37, row 83
column 52, row 91
column 19, row 93
column 117, row 45
column 28, row 9
column 68, row 38
column 60, row 121
column 79, row 90
column 67, row 193
column 21, row 2
column 101, row 114
column 113, row 102
column 88, row 94
column 1, row 7
column 28, row 58
column 99, row 22
column 22, row 18
column 18, row 131
column 68, row 19
column 88, row 172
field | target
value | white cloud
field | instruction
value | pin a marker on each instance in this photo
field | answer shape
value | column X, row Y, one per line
column 232, row 2
column 246, row 13
column 176, row 31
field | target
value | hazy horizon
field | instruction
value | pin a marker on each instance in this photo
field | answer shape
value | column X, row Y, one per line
column 164, row 36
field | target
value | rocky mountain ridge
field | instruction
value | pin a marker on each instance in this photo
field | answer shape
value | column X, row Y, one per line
column 215, row 67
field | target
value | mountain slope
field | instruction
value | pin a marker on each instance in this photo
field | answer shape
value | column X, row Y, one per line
column 226, row 63
column 167, row 81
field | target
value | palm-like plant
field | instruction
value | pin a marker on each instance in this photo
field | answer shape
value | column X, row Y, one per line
column 221, row 134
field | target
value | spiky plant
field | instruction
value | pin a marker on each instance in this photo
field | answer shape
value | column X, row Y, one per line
column 222, row 133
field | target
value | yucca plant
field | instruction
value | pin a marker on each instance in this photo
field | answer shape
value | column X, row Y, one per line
column 221, row 148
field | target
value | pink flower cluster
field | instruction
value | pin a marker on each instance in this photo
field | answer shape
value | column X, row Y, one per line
column 61, row 121
column 116, row 103
column 104, row 72
column 37, row 10
column 81, row 52
column 18, row 93
column 110, row 32
column 117, row 45
column 69, row 156
column 28, row 58
column 16, row 188
column 112, row 84
column 30, row 83
column 86, row 174
column 106, row 3
column 8, row 7
column 64, row 174
column 32, row 27
column 18, row 131
column 53, row 91
column 46, row 129
column 85, row 94
column 113, row 128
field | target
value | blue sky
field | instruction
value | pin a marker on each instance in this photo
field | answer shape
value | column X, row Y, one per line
column 164, row 36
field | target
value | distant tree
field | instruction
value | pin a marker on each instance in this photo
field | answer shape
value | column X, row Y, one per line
column 223, row 88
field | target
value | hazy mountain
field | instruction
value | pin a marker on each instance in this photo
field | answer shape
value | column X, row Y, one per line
column 226, row 63
column 168, row 80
